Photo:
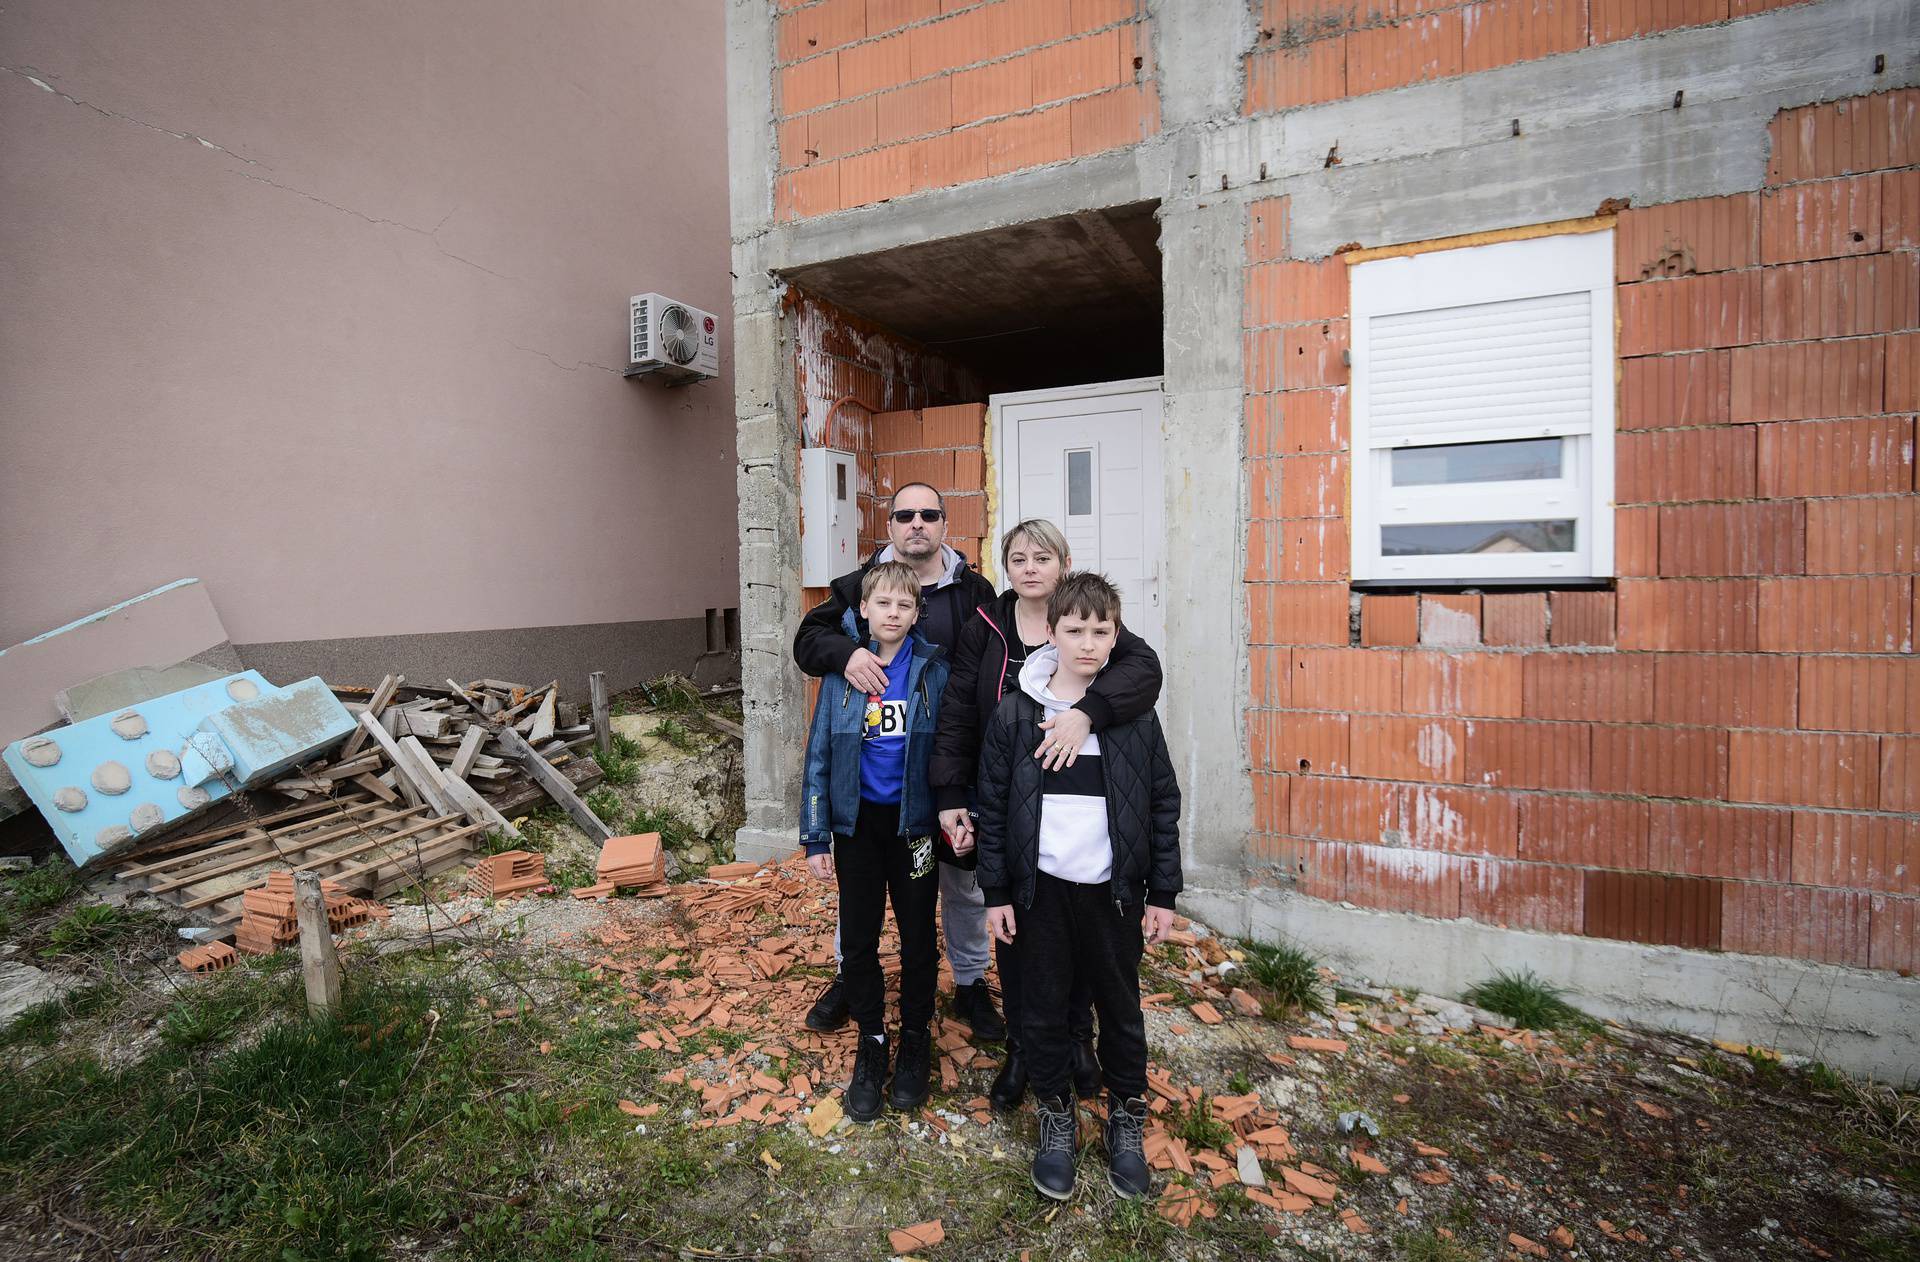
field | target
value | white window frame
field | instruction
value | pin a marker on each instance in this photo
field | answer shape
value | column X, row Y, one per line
column 1539, row 267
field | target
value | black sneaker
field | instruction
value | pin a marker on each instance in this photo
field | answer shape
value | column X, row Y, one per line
column 1053, row 1159
column 910, row 1070
column 973, row 1003
column 1010, row 1084
column 1086, row 1069
column 864, row 1100
column 829, row 1011
column 1126, row 1155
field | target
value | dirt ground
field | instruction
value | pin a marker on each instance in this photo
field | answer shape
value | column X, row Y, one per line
column 630, row 1078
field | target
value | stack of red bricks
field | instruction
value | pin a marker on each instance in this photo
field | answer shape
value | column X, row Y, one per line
column 509, row 872
column 638, row 863
column 269, row 921
column 943, row 447
column 210, row 958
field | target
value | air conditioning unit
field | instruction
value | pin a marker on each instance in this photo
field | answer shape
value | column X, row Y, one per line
column 677, row 341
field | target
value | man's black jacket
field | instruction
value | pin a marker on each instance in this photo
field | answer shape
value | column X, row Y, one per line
column 1126, row 689
column 1143, row 808
column 821, row 646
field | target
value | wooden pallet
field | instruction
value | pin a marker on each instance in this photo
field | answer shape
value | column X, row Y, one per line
column 355, row 840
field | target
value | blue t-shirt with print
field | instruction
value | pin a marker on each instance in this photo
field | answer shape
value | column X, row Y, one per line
column 883, row 744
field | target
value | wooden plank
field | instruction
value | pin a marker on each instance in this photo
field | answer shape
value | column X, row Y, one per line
column 434, row 847
column 470, row 804
column 430, row 723
column 557, row 786
column 372, row 785
column 357, row 807
column 375, row 704
column 520, row 794
column 319, row 962
column 431, row 861
column 463, row 758
column 321, row 862
column 544, row 718
column 347, row 770
column 426, row 776
column 408, row 780
column 283, row 847
column 602, row 710
column 188, row 842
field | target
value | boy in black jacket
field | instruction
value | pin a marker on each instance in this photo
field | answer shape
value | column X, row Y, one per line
column 1080, row 867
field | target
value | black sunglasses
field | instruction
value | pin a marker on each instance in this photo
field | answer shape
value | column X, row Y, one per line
column 905, row 515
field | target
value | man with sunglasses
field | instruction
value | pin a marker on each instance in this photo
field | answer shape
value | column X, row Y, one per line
column 950, row 590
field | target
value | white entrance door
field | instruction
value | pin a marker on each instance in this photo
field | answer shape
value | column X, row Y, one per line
column 1087, row 458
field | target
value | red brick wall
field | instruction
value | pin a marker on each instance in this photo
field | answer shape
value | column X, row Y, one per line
column 1322, row 50
column 943, row 447
column 880, row 98
column 1722, row 752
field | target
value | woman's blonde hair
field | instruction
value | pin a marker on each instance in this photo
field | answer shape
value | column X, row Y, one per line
column 1040, row 533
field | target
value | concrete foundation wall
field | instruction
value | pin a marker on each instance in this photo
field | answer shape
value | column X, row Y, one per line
column 325, row 304
column 1856, row 1020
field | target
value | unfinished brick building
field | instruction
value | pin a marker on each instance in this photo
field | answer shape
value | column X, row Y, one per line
column 1499, row 415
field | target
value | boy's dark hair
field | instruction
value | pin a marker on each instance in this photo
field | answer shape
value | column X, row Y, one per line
column 1084, row 594
column 895, row 574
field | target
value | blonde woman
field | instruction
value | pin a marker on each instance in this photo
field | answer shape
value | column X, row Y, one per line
column 994, row 644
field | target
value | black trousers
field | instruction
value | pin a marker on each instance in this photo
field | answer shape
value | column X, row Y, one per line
column 871, row 865
column 1074, row 933
column 1006, row 958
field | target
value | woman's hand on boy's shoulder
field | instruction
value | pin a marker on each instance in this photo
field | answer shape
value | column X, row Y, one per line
column 1065, row 732
column 1157, row 924
column 821, row 865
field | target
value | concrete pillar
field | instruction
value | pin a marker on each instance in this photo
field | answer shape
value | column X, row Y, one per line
column 1201, row 249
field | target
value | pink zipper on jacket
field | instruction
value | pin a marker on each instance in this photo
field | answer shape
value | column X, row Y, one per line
column 1006, row 652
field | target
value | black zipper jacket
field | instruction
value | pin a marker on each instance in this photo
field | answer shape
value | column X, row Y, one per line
column 1125, row 690
column 1143, row 808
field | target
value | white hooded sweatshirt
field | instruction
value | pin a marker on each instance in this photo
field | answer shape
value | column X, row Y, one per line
column 1074, row 841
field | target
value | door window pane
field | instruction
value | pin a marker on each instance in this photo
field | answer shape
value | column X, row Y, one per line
column 1489, row 538
column 1079, row 483
column 1527, row 460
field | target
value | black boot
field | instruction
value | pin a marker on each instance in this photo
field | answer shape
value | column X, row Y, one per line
column 1086, row 1069
column 1053, row 1159
column 829, row 1011
column 973, row 1003
column 864, row 1100
column 910, row 1069
column 1010, row 1084
column 1126, row 1156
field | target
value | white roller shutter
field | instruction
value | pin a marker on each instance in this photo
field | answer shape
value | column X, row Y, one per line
column 1485, row 344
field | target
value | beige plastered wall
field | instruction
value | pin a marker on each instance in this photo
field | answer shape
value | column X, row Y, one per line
column 324, row 304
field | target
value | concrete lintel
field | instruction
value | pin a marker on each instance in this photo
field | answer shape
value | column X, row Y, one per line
column 1857, row 1020
column 1111, row 179
column 1618, row 98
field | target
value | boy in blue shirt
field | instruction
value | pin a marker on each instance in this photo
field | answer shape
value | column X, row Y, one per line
column 868, row 823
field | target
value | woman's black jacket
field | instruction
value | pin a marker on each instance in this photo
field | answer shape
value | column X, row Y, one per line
column 1125, row 690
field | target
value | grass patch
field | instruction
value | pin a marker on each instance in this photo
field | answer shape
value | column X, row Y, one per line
column 676, row 734
column 41, row 1024
column 1197, row 1126
column 675, row 833
column 1289, row 976
column 1427, row 1246
column 39, row 887
column 93, row 928
column 620, row 770
column 1524, row 999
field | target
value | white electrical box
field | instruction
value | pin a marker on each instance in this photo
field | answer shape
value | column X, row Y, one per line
column 829, row 515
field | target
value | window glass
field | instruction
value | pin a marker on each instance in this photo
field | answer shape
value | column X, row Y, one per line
column 1483, row 538
column 1527, row 460
column 1079, row 483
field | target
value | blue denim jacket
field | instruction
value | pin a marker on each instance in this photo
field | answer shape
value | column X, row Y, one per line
column 832, row 792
